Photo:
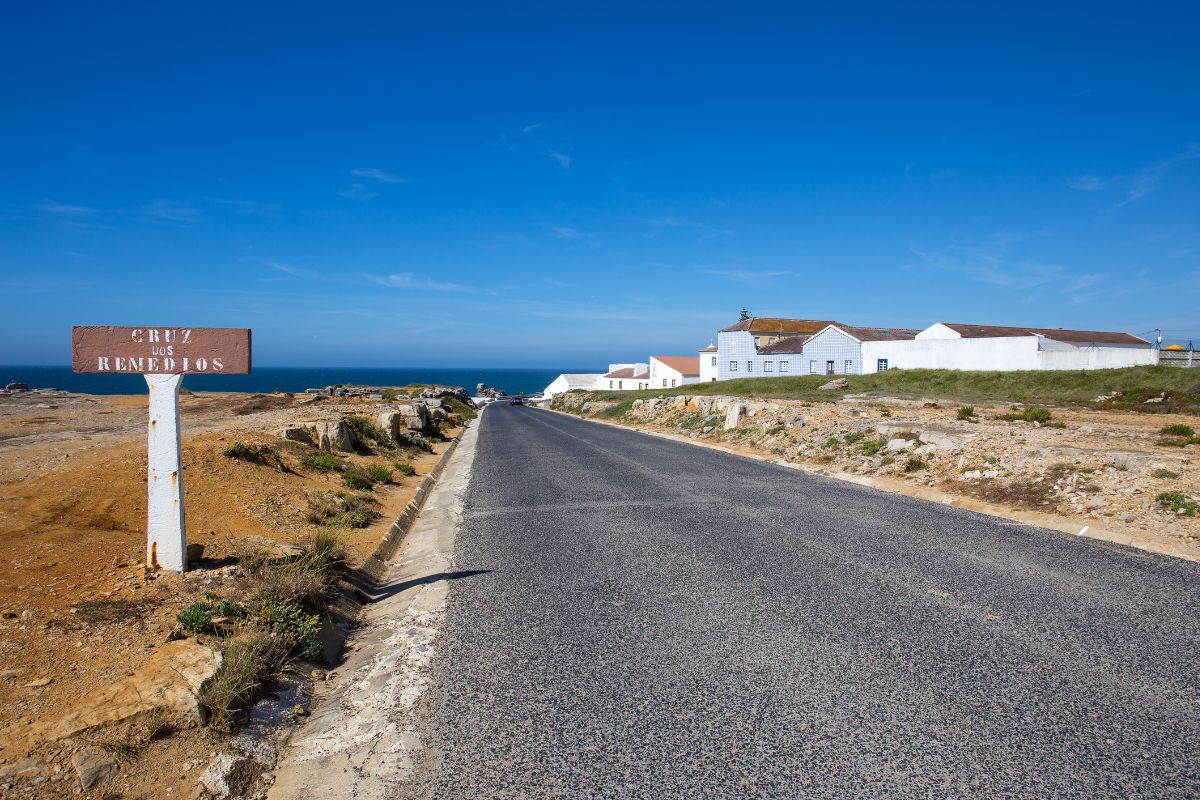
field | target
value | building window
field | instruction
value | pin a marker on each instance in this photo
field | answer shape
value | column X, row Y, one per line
column 664, row 381
column 714, row 362
column 812, row 367
column 749, row 366
column 620, row 384
column 610, row 384
column 733, row 366
column 783, row 366
column 881, row 365
column 672, row 382
column 768, row 366
column 771, row 340
column 849, row 366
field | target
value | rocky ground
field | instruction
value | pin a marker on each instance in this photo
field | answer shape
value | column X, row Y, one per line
column 98, row 682
column 1100, row 468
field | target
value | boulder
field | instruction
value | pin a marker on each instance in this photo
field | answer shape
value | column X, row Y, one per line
column 834, row 385
column 735, row 415
column 336, row 435
column 25, row 769
column 416, row 415
column 229, row 775
column 301, row 434
column 438, row 415
column 899, row 445
column 195, row 552
column 168, row 682
column 93, row 767
column 390, row 422
column 433, row 402
column 945, row 441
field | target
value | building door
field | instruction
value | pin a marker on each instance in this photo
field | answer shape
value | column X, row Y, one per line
column 828, row 367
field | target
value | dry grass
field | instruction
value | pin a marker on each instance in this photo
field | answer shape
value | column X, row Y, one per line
column 247, row 659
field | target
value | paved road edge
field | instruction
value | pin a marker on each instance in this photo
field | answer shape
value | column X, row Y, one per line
column 1047, row 521
column 362, row 742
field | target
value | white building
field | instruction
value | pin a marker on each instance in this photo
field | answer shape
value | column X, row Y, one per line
column 846, row 349
column 571, row 380
column 708, row 363
column 668, row 371
column 625, row 377
column 951, row 345
column 753, row 347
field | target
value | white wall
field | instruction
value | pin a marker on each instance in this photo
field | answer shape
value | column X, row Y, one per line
column 568, row 381
column 1002, row 353
column 708, row 367
column 664, row 376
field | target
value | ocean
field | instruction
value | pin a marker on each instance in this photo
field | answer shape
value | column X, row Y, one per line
column 290, row 379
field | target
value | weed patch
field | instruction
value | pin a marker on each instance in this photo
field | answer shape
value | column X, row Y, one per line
column 254, row 454
column 341, row 510
column 1164, row 473
column 967, row 414
column 322, row 462
column 1178, row 503
column 198, row 617
column 406, row 469
column 365, row 429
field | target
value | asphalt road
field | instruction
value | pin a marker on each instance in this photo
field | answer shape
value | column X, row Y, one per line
column 660, row 620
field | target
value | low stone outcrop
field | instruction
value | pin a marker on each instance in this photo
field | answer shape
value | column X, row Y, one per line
column 735, row 415
column 416, row 415
column 93, row 767
column 297, row 433
column 336, row 435
column 168, row 682
column 229, row 775
column 834, row 385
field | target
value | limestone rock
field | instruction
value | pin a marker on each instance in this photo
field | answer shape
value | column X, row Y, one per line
column 93, row 767
column 735, row 415
column 169, row 682
column 898, row 445
column 300, row 434
column 229, row 775
column 834, row 385
column 390, row 422
column 25, row 768
column 416, row 415
column 336, row 435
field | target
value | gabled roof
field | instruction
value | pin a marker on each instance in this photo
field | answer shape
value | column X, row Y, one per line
column 579, row 378
column 968, row 331
column 712, row 348
column 627, row 372
column 792, row 344
column 778, row 326
column 688, row 366
column 879, row 334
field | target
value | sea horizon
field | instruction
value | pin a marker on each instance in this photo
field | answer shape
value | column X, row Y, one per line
column 513, row 380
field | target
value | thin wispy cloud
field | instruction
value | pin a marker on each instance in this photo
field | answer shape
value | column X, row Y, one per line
column 406, row 280
column 294, row 271
column 748, row 277
column 172, row 212
column 525, row 141
column 1148, row 178
column 357, row 191
column 68, row 209
column 672, row 222
column 1138, row 184
column 563, row 159
column 379, row 175
column 528, row 129
column 992, row 262
column 563, row 232
column 1088, row 183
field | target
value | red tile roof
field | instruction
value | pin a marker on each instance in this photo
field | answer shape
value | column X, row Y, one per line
column 968, row 331
column 767, row 326
column 688, row 366
column 627, row 372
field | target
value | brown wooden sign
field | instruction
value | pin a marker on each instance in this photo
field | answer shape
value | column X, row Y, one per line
column 161, row 350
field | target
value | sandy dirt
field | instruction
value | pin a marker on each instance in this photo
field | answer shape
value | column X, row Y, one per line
column 76, row 607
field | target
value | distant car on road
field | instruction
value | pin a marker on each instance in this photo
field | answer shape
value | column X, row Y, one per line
column 516, row 401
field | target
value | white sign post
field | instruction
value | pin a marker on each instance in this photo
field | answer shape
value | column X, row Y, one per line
column 166, row 530
column 163, row 356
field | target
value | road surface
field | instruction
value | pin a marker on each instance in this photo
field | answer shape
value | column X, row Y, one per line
column 652, row 619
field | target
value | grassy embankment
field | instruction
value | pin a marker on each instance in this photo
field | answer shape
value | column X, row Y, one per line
column 1065, row 388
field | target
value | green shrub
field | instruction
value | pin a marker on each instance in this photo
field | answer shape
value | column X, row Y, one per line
column 406, row 468
column 366, row 429
column 1041, row 415
column 832, row 442
column 853, row 436
column 1170, row 441
column 967, row 413
column 389, row 395
column 378, row 473
column 247, row 658
column 341, row 510
column 872, row 446
column 883, row 462
column 770, row 431
column 321, row 462
column 296, row 629
column 1164, row 473
column 356, row 478
column 1185, row 431
column 914, row 464
column 198, row 617
column 1177, row 502
column 252, row 453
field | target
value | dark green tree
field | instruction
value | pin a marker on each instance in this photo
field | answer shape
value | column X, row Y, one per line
column 745, row 315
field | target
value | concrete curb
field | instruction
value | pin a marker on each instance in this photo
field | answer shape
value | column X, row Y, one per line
column 1054, row 523
column 375, row 567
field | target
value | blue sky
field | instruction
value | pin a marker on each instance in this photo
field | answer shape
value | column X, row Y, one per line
column 560, row 184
